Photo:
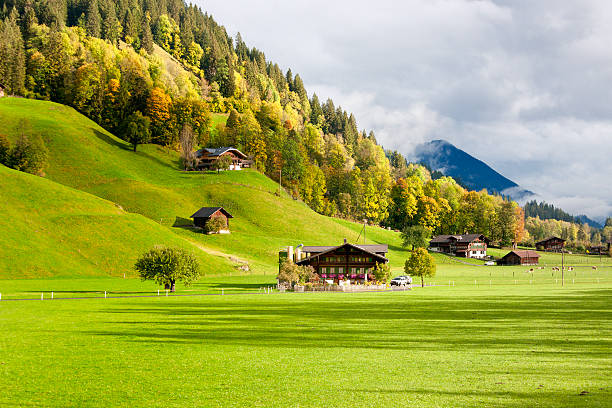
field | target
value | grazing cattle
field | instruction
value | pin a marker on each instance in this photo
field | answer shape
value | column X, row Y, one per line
column 595, row 268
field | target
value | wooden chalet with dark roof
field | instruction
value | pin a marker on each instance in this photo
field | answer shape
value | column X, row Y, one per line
column 206, row 158
column 552, row 244
column 201, row 217
column 520, row 257
column 346, row 261
column 466, row 245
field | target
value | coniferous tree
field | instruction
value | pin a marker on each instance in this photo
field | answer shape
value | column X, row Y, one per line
column 12, row 56
column 93, row 19
column 146, row 39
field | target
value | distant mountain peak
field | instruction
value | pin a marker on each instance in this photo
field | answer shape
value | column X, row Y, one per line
column 475, row 174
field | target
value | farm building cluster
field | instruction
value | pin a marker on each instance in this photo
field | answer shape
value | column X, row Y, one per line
column 337, row 263
column 465, row 246
column 205, row 159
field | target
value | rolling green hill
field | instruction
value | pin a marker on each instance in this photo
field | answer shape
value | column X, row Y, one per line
column 50, row 230
column 149, row 183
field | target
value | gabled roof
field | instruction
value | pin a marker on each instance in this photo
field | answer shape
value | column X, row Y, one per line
column 523, row 254
column 458, row 238
column 381, row 248
column 331, row 249
column 550, row 239
column 216, row 152
column 206, row 212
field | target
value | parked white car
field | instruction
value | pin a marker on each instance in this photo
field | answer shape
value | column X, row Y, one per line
column 490, row 263
column 401, row 281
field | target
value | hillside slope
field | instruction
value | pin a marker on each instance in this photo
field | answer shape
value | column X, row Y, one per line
column 86, row 157
column 50, row 230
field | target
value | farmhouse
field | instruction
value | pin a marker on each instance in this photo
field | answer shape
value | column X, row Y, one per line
column 466, row 246
column 206, row 158
column 553, row 244
column 519, row 257
column 346, row 261
column 201, row 217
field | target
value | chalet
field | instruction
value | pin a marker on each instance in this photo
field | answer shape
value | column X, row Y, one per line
column 519, row 257
column 201, row 217
column 552, row 244
column 206, row 158
column 466, row 246
column 346, row 261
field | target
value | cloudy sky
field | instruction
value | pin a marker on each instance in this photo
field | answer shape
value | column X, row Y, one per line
column 524, row 85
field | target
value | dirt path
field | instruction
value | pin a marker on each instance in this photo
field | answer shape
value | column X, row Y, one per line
column 232, row 258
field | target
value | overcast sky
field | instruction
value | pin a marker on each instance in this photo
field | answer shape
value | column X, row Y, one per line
column 525, row 86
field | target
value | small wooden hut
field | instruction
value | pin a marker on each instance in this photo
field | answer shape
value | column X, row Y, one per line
column 201, row 217
column 520, row 257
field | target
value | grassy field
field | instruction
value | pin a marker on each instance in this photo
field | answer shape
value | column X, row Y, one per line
column 463, row 346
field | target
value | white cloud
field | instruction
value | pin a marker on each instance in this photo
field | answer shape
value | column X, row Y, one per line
column 522, row 85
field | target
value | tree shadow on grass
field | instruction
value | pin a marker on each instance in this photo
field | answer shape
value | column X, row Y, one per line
column 548, row 325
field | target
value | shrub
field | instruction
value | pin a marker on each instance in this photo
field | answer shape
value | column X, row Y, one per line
column 29, row 155
column 5, row 150
column 215, row 224
column 382, row 272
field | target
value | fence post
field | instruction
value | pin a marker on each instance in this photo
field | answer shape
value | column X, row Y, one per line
column 104, row 294
column 41, row 296
column 166, row 292
column 157, row 292
column 474, row 282
column 0, row 296
column 51, row 295
column 221, row 291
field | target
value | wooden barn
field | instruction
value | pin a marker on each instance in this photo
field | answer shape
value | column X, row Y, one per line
column 519, row 257
column 206, row 158
column 466, row 246
column 201, row 217
column 346, row 261
column 552, row 244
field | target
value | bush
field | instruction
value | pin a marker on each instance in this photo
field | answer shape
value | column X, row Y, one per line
column 5, row 150
column 292, row 273
column 215, row 224
column 29, row 155
column 382, row 272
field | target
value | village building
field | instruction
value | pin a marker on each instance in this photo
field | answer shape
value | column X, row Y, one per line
column 520, row 257
column 465, row 246
column 204, row 214
column 205, row 159
column 346, row 261
column 552, row 244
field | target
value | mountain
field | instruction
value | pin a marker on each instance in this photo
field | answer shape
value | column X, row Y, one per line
column 474, row 174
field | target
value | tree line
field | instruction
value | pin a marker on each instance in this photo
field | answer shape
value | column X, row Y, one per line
column 155, row 70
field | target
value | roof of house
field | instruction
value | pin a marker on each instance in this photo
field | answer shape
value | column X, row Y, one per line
column 216, row 152
column 523, row 254
column 550, row 239
column 206, row 212
column 457, row 237
column 331, row 249
column 382, row 248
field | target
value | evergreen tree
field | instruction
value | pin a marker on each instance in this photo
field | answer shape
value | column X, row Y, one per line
column 146, row 39
column 93, row 23
column 12, row 56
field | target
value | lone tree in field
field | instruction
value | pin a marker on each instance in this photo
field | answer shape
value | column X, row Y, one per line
column 420, row 264
column 166, row 265
column 415, row 235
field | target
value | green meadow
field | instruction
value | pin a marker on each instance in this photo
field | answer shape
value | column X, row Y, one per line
column 463, row 346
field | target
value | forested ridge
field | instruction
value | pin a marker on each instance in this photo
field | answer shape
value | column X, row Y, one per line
column 155, row 71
